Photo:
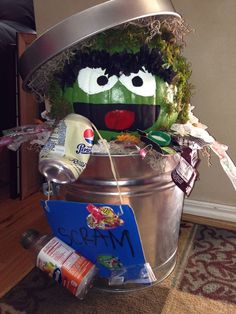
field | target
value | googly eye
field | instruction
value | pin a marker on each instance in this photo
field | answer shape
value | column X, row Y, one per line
column 142, row 83
column 94, row 80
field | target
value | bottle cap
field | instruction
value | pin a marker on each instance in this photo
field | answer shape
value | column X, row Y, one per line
column 28, row 237
column 159, row 137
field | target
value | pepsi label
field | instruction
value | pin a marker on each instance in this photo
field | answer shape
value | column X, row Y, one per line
column 83, row 149
column 89, row 136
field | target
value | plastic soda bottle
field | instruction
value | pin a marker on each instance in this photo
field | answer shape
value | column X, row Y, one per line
column 61, row 262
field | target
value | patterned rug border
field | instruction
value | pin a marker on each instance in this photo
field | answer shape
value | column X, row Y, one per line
column 209, row 270
column 186, row 249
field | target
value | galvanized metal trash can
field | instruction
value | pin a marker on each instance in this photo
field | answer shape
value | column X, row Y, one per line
column 156, row 200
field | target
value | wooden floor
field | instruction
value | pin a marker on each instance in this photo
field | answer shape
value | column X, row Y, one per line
column 17, row 216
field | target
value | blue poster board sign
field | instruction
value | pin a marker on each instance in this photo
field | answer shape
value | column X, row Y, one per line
column 114, row 245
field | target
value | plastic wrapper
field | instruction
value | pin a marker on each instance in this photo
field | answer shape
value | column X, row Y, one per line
column 141, row 274
column 225, row 161
column 35, row 134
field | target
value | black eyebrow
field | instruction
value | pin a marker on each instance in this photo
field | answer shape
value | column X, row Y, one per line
column 116, row 64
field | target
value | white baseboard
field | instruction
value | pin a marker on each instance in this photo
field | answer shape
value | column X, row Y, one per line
column 210, row 210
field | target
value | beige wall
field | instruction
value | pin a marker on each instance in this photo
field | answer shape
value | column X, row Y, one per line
column 212, row 51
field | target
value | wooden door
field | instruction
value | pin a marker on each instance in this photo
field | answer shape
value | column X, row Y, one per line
column 28, row 107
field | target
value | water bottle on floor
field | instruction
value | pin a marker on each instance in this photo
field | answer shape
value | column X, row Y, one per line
column 60, row 261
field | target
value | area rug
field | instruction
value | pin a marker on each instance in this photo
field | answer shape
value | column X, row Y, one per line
column 203, row 281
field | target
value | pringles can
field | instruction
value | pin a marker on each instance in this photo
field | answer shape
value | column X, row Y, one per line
column 67, row 151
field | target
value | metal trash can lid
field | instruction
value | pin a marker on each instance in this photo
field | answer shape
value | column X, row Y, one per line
column 84, row 24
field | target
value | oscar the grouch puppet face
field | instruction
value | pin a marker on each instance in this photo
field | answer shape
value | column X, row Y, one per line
column 124, row 84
